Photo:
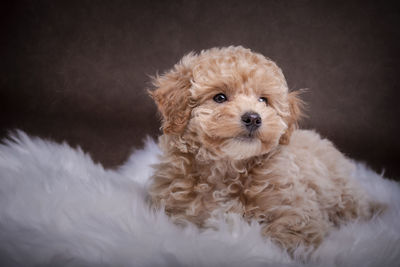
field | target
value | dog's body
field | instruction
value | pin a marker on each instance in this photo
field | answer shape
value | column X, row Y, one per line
column 230, row 144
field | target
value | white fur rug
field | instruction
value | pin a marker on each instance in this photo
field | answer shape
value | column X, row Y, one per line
column 58, row 208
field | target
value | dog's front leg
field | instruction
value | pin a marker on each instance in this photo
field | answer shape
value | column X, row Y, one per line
column 291, row 229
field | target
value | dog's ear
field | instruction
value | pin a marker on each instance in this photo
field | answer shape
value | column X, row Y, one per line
column 172, row 95
column 296, row 112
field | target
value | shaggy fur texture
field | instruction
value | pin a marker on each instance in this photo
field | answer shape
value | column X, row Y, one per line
column 292, row 182
column 58, row 208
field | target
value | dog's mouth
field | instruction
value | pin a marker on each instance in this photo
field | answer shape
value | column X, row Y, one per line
column 242, row 146
column 248, row 137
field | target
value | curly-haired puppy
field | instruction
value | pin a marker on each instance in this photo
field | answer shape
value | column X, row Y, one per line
column 230, row 144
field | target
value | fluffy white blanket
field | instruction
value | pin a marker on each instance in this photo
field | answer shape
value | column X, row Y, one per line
column 58, row 208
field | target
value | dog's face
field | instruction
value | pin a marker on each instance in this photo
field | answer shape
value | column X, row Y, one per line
column 232, row 102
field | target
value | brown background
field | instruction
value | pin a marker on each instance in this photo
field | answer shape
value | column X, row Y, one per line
column 77, row 70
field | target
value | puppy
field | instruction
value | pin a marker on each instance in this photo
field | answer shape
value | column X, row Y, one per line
column 231, row 144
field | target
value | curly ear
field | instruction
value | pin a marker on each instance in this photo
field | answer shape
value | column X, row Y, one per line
column 295, row 109
column 172, row 95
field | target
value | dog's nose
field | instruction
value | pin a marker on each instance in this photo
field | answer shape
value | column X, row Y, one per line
column 251, row 120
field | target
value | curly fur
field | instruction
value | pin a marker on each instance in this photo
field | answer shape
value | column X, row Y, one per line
column 295, row 184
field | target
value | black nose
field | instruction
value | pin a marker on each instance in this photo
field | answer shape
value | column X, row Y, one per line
column 251, row 120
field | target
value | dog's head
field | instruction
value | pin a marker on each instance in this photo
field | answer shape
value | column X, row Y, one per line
column 231, row 102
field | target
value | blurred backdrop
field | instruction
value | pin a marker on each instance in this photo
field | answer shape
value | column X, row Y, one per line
column 77, row 71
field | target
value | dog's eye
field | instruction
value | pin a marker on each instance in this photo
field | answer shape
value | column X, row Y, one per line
column 263, row 99
column 220, row 98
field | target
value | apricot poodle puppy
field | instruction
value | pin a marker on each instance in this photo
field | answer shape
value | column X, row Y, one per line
column 230, row 144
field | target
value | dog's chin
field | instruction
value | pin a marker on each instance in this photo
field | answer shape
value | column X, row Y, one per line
column 242, row 147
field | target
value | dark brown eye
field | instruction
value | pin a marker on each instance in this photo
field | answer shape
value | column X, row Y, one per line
column 263, row 99
column 219, row 98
